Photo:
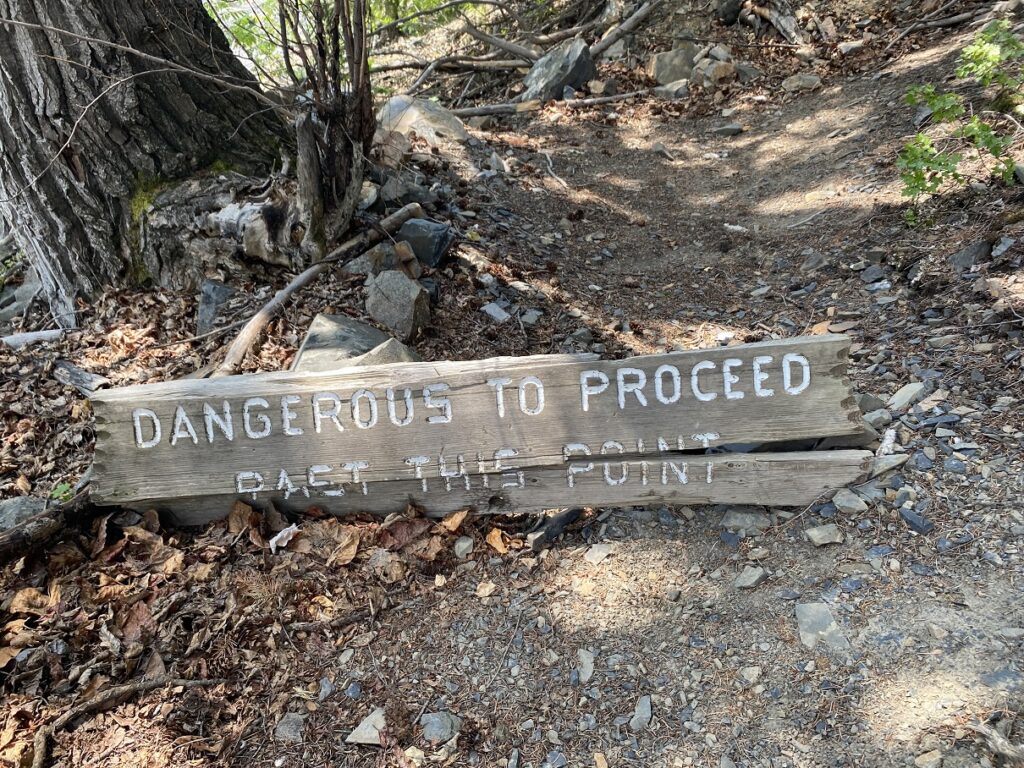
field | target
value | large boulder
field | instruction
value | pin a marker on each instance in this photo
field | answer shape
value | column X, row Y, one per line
column 568, row 64
column 428, row 119
column 671, row 66
column 399, row 302
column 332, row 339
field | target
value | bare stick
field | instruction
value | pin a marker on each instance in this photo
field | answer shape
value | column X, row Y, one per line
column 109, row 698
column 602, row 45
column 247, row 338
column 429, row 11
column 497, row 42
column 998, row 743
column 510, row 109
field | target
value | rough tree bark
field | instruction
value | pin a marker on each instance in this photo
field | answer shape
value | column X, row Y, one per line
column 130, row 125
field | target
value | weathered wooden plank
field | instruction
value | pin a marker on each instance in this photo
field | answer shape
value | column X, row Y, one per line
column 779, row 479
column 328, row 432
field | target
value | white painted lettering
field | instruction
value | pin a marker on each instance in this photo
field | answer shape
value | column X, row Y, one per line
column 287, row 414
column 438, row 402
column 788, row 361
column 407, row 398
column 355, row 467
column 137, row 415
column 249, row 482
column 636, row 386
column 659, row 384
column 575, row 449
column 183, row 427
column 359, row 396
column 587, row 389
column 729, row 378
column 499, row 393
column 704, row 365
column 448, row 475
column 285, row 484
column 607, row 447
column 538, row 398
column 332, row 413
column 760, row 376
column 511, row 477
column 261, row 418
column 417, row 462
column 211, row 417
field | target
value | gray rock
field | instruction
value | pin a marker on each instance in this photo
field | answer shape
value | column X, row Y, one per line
column 906, row 396
column 747, row 73
column 739, row 519
column 868, row 403
column 750, row 675
column 943, row 342
column 872, row 274
column 729, row 129
column 290, row 728
column 641, row 714
column 851, row 46
column 391, row 351
column 883, row 464
column 439, row 727
column 334, row 339
column 817, row 625
column 1012, row 634
column 671, row 66
column 848, row 502
column 212, row 296
column 495, row 311
column 430, row 240
column 368, row 731
column 19, row 509
column 376, row 260
column 326, row 689
column 428, row 119
column 15, row 301
column 728, row 11
column 720, row 52
column 677, row 89
column 802, row 81
column 967, row 257
column 712, row 73
column 398, row 302
column 530, row 317
column 878, row 419
column 584, row 665
column 751, row 577
column 463, row 547
column 823, row 535
column 567, row 64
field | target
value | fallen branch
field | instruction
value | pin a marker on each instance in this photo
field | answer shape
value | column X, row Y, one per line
column 551, row 38
column 250, row 332
column 109, row 698
column 617, row 33
column 437, row 9
column 998, row 743
column 919, row 24
column 43, row 527
column 784, row 23
column 497, row 42
column 456, row 63
column 512, row 108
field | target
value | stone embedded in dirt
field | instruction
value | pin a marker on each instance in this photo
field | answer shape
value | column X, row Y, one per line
column 463, row 547
column 672, row 66
column 930, row 759
column 750, row 577
column 212, row 296
column 290, row 728
column 823, row 535
column 368, row 731
column 817, row 625
column 747, row 73
column 333, row 339
column 391, row 351
column 878, row 419
column 400, row 303
column 641, row 714
column 598, row 553
column 848, row 502
column 439, row 727
column 677, row 89
column 1013, row 634
column 750, row 675
column 19, row 509
column 906, row 395
column 872, row 274
column 802, row 81
column 495, row 311
column 720, row 52
column 967, row 257
column 943, row 342
column 882, row 464
column 868, row 403
column 712, row 73
column 728, row 11
column 566, row 64
column 376, row 260
column 850, row 46
column 739, row 519
column 430, row 240
column 729, row 129
column 428, row 119
column 917, row 522
column 326, row 689
column 584, row 665
column 530, row 316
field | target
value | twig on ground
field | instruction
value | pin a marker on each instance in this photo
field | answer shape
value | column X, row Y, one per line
column 512, row 108
column 617, row 33
column 551, row 169
column 998, row 743
column 250, row 332
column 109, row 698
column 496, row 42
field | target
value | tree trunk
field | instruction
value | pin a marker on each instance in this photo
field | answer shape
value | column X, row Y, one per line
column 89, row 132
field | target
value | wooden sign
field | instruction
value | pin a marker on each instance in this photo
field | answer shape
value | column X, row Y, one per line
column 499, row 435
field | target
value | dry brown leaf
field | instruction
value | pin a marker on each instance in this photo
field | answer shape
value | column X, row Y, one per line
column 486, row 588
column 137, row 620
column 7, row 655
column 496, row 538
column 425, row 549
column 201, row 571
column 346, row 551
column 23, row 485
column 400, row 533
column 30, row 600
column 820, row 329
column 239, row 517
column 454, row 520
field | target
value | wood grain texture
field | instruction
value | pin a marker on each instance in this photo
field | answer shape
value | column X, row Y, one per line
column 476, row 431
column 777, row 479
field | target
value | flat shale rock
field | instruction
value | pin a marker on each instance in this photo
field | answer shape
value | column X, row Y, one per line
column 568, row 64
column 334, row 340
column 400, row 303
